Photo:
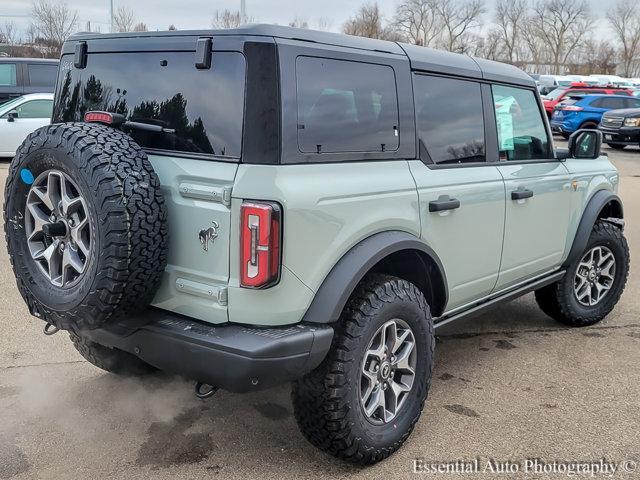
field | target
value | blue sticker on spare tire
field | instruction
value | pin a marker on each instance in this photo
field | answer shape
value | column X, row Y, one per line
column 26, row 176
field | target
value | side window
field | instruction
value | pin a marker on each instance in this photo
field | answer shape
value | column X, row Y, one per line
column 8, row 75
column 42, row 75
column 35, row 109
column 521, row 131
column 632, row 103
column 449, row 119
column 346, row 106
column 613, row 103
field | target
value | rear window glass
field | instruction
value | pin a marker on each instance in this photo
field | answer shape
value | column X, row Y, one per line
column 450, row 119
column 8, row 75
column 42, row 75
column 202, row 109
column 346, row 106
column 612, row 102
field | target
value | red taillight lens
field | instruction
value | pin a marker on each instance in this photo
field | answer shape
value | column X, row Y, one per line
column 101, row 117
column 107, row 118
column 572, row 108
column 260, row 232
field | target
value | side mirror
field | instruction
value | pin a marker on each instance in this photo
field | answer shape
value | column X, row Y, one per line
column 12, row 115
column 585, row 143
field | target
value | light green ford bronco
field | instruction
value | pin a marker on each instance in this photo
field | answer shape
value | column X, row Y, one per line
column 262, row 205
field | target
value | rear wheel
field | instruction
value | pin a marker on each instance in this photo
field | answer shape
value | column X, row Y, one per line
column 363, row 401
column 593, row 283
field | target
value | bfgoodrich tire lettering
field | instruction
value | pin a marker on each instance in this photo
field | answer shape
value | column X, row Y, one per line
column 127, row 219
column 327, row 402
column 559, row 300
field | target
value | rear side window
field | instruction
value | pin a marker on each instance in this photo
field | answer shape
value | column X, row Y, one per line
column 42, row 75
column 612, row 103
column 521, row 131
column 35, row 109
column 8, row 75
column 632, row 103
column 449, row 119
column 202, row 110
column 345, row 106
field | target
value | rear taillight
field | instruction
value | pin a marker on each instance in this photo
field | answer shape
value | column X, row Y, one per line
column 260, row 234
column 572, row 108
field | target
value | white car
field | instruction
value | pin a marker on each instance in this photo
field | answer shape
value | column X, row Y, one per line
column 21, row 116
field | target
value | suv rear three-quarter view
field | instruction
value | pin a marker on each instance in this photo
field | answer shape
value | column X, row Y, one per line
column 264, row 205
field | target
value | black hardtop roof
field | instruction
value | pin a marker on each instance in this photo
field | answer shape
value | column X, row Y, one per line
column 421, row 58
column 28, row 60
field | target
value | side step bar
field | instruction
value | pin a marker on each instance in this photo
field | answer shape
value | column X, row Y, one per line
column 492, row 302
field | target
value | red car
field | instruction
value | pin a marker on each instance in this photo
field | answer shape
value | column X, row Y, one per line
column 557, row 95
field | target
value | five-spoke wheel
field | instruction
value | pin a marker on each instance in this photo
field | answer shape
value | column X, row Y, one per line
column 594, row 276
column 388, row 371
column 57, row 228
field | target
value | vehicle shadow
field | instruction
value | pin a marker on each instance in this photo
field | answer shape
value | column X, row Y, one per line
column 165, row 426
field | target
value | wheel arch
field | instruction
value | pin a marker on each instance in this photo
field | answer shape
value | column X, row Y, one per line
column 393, row 252
column 602, row 205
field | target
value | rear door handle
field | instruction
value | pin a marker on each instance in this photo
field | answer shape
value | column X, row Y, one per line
column 521, row 194
column 444, row 203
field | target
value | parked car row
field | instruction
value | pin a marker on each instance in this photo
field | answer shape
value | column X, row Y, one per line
column 548, row 83
column 26, row 99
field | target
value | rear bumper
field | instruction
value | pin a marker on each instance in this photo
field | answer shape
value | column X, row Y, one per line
column 233, row 357
column 622, row 135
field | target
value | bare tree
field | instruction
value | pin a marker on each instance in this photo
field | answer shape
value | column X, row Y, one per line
column 562, row 26
column 488, row 46
column 140, row 27
column 227, row 19
column 322, row 24
column 172, row 28
column 459, row 18
column 299, row 23
column 624, row 19
column 511, row 17
column 53, row 22
column 597, row 57
column 9, row 33
column 368, row 22
column 419, row 21
column 124, row 20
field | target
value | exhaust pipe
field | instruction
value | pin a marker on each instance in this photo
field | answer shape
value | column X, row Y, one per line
column 204, row 390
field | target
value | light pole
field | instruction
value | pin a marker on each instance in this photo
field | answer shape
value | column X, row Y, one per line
column 110, row 16
column 243, row 11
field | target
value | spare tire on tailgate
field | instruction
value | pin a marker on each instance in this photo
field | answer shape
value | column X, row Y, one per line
column 85, row 224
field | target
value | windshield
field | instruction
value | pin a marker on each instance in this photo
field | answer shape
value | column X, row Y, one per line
column 7, row 105
column 555, row 94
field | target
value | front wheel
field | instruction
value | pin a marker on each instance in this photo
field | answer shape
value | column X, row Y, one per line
column 363, row 401
column 593, row 283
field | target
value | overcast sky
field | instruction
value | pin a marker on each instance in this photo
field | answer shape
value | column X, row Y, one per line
column 194, row 14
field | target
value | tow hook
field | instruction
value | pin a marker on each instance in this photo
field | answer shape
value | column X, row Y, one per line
column 204, row 390
column 50, row 329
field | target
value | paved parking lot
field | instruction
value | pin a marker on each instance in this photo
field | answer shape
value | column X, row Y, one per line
column 508, row 386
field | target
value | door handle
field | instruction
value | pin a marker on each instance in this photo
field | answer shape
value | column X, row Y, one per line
column 521, row 194
column 444, row 203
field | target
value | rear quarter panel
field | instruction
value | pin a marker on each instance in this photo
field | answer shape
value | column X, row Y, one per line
column 327, row 209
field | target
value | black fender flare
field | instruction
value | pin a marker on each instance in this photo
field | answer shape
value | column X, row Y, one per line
column 591, row 213
column 339, row 284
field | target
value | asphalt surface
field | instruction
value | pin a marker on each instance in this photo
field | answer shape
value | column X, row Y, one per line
column 508, row 386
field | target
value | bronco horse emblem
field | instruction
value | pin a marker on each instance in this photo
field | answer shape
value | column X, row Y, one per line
column 208, row 235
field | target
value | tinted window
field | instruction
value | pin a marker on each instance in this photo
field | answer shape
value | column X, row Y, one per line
column 202, row 109
column 346, row 106
column 632, row 103
column 35, row 109
column 42, row 75
column 8, row 75
column 612, row 103
column 521, row 131
column 449, row 119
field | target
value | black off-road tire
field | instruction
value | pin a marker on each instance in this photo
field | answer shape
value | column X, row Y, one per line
column 617, row 146
column 127, row 217
column 559, row 301
column 111, row 360
column 326, row 401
